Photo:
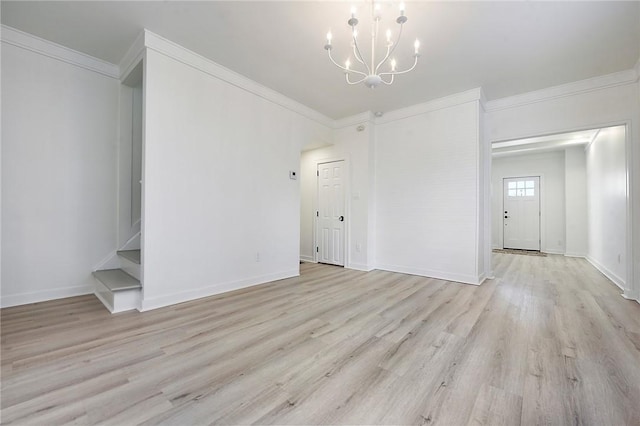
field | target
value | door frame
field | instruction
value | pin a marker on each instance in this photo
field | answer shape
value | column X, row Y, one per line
column 540, row 227
column 347, row 209
column 632, row 279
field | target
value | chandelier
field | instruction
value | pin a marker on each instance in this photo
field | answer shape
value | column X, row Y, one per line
column 369, row 71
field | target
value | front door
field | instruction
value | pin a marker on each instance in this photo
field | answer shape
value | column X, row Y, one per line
column 521, row 213
column 330, row 245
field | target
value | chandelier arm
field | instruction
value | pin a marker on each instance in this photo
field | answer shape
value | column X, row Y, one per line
column 388, row 83
column 355, row 53
column 357, row 50
column 390, row 51
column 346, row 76
column 347, row 70
column 402, row 72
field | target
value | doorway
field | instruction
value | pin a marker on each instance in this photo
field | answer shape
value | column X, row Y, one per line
column 521, row 206
column 330, row 213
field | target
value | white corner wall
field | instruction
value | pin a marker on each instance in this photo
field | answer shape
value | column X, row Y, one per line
column 356, row 149
column 575, row 181
column 606, row 199
column 219, row 209
column 550, row 167
column 59, row 135
column 428, row 219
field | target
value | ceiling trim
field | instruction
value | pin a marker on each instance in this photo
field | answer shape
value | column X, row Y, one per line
column 134, row 55
column 207, row 66
column 352, row 120
column 56, row 51
column 574, row 88
column 472, row 95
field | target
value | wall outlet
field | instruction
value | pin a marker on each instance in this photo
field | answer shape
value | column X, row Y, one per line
column 293, row 175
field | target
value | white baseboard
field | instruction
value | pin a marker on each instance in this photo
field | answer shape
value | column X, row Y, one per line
column 309, row 259
column 111, row 261
column 441, row 275
column 134, row 242
column 360, row 267
column 175, row 298
column 552, row 251
column 579, row 255
column 607, row 273
column 45, row 295
column 631, row 297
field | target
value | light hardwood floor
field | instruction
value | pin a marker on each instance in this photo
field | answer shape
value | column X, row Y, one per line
column 549, row 341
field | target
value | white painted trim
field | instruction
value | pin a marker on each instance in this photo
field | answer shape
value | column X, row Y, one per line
column 360, row 267
column 636, row 68
column 441, row 275
column 307, row 259
column 552, row 252
column 111, row 261
column 576, row 255
column 564, row 90
column 472, row 95
column 628, row 297
column 175, row 298
column 45, row 295
column 362, row 118
column 132, row 243
column 56, row 51
column 181, row 54
column 134, row 55
column 607, row 273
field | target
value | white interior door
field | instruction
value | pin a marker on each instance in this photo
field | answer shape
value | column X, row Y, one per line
column 330, row 244
column 522, row 213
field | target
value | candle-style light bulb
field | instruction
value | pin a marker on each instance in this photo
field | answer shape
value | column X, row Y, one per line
column 347, row 64
column 416, row 46
column 329, row 37
column 377, row 12
column 393, row 65
column 388, row 36
column 353, row 11
column 402, row 9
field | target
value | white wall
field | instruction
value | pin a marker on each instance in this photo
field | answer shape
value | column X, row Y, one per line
column 596, row 103
column 550, row 167
column 219, row 209
column 575, row 182
column 59, row 135
column 606, row 199
column 427, row 194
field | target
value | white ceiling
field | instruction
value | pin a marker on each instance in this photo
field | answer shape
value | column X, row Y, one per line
column 506, row 48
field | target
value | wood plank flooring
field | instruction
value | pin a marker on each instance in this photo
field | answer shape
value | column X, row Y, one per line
column 549, row 341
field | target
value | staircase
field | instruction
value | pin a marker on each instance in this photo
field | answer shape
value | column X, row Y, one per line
column 120, row 289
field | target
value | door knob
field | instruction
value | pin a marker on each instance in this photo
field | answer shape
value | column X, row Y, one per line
column 341, row 218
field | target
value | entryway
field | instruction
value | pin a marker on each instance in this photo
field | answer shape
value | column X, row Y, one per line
column 521, row 221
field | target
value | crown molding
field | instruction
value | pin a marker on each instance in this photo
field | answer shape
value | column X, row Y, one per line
column 434, row 105
column 52, row 50
column 133, row 56
column 353, row 120
column 181, row 54
column 577, row 87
